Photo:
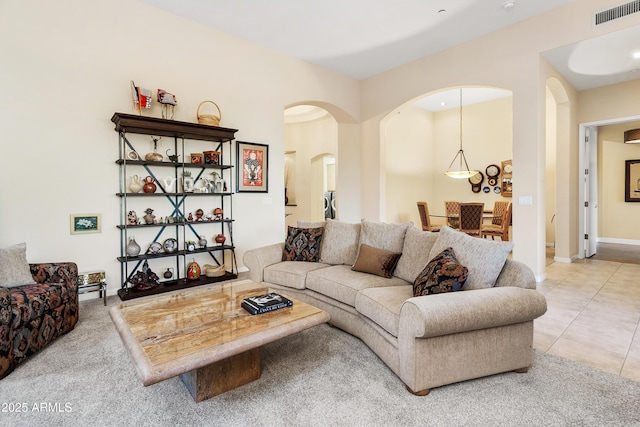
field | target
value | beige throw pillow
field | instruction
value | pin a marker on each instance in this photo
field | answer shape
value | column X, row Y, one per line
column 14, row 268
column 484, row 258
column 415, row 253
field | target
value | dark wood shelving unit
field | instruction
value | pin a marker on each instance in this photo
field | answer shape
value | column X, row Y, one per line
column 179, row 131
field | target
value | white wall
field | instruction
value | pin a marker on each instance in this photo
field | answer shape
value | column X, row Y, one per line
column 66, row 67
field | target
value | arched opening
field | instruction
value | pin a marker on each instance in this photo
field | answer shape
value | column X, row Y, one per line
column 559, row 227
column 421, row 137
column 311, row 156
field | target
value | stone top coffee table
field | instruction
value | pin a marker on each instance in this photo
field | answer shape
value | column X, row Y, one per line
column 204, row 335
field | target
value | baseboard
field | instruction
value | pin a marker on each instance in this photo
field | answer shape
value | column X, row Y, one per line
column 566, row 260
column 618, row 241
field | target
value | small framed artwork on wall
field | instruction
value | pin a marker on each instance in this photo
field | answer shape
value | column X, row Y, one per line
column 85, row 223
column 252, row 170
column 632, row 181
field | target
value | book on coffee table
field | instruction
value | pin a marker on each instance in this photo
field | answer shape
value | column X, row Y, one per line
column 266, row 302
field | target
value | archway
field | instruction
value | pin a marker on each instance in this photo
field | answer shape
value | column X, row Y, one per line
column 421, row 137
column 317, row 136
column 561, row 230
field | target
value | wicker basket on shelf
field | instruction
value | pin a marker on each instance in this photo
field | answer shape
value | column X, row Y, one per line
column 209, row 119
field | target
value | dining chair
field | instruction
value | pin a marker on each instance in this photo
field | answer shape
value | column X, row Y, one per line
column 501, row 230
column 471, row 218
column 499, row 209
column 423, row 209
column 452, row 211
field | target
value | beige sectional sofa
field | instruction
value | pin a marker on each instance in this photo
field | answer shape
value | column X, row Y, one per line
column 430, row 340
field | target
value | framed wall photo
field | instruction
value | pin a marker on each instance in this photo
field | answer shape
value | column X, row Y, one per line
column 632, row 181
column 252, row 170
column 85, row 223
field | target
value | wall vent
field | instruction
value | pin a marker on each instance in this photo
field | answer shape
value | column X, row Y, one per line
column 616, row 12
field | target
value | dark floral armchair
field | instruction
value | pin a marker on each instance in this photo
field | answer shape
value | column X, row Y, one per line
column 31, row 316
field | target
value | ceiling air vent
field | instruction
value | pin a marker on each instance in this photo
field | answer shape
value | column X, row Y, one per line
column 616, row 12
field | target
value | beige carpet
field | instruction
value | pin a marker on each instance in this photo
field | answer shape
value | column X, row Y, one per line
column 320, row 377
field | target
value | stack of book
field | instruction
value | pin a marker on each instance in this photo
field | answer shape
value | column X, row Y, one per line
column 264, row 303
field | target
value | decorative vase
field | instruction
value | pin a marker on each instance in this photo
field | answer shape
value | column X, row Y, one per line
column 193, row 270
column 202, row 242
column 133, row 248
column 220, row 239
column 168, row 274
column 149, row 185
column 136, row 184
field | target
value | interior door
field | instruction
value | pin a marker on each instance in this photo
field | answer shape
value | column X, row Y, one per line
column 590, row 177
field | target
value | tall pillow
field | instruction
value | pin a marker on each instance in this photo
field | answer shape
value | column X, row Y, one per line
column 302, row 244
column 383, row 235
column 484, row 258
column 14, row 268
column 415, row 253
column 340, row 243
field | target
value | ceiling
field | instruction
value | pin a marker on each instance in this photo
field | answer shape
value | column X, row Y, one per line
column 357, row 38
column 362, row 38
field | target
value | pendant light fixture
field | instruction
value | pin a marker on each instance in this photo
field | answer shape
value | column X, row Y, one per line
column 461, row 171
column 632, row 136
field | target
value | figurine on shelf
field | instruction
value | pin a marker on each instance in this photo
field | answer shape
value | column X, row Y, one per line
column 132, row 218
column 145, row 279
column 154, row 156
column 218, row 214
column 209, row 216
column 193, row 270
column 149, row 218
column 199, row 214
column 190, row 217
column 167, row 102
column 202, row 241
column 172, row 157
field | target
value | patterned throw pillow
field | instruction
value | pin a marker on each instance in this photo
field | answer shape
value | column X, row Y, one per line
column 376, row 261
column 443, row 274
column 302, row 244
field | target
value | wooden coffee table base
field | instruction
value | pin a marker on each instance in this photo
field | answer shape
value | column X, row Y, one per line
column 224, row 375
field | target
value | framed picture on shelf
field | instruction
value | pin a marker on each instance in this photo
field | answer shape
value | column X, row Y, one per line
column 632, row 181
column 252, row 170
column 85, row 223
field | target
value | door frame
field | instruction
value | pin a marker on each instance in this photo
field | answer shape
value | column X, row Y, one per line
column 588, row 219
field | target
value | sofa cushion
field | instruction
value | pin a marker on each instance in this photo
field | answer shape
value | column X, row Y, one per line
column 383, row 235
column 443, row 274
column 340, row 242
column 14, row 268
column 484, row 258
column 302, row 244
column 291, row 273
column 415, row 253
column 376, row 261
column 341, row 283
column 382, row 305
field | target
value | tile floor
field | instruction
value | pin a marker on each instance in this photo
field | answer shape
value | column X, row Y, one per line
column 593, row 315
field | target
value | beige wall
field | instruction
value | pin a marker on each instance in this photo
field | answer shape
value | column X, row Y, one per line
column 66, row 67
column 509, row 59
column 617, row 219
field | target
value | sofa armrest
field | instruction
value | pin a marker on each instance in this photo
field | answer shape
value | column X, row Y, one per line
column 58, row 272
column 455, row 312
column 6, row 341
column 515, row 273
column 256, row 260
